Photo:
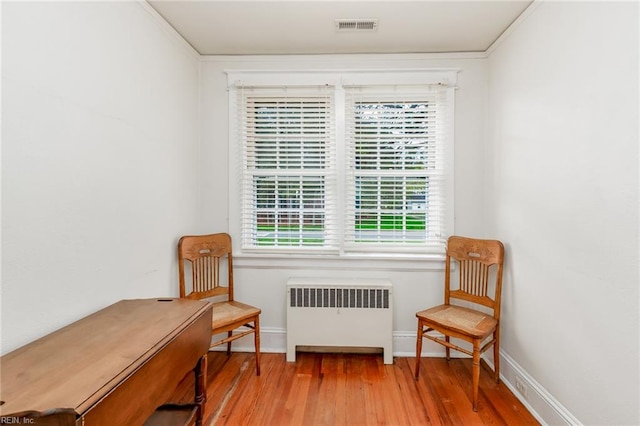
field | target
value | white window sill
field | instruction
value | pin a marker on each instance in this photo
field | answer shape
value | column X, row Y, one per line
column 368, row 261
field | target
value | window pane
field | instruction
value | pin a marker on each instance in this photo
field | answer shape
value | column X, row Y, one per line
column 391, row 209
column 287, row 147
column 289, row 210
column 394, row 150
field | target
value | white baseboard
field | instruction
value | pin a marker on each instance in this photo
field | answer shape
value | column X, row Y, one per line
column 274, row 340
column 542, row 405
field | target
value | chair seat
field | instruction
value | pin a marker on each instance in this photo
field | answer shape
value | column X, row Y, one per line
column 225, row 313
column 463, row 320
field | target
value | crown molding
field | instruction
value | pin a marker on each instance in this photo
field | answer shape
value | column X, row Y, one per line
column 169, row 30
column 515, row 24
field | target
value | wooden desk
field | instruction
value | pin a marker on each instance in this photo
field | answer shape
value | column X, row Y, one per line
column 113, row 367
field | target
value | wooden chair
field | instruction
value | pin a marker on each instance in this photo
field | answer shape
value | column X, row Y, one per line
column 479, row 264
column 211, row 264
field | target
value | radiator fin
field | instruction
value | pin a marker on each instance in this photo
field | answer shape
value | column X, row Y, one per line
column 363, row 298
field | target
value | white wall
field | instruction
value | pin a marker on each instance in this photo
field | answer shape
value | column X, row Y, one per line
column 99, row 152
column 564, row 197
column 417, row 285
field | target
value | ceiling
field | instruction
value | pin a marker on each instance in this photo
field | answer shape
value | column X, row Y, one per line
column 244, row 27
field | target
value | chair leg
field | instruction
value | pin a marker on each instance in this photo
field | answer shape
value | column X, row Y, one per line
column 476, row 373
column 418, row 348
column 496, row 355
column 229, row 334
column 447, row 349
column 256, row 335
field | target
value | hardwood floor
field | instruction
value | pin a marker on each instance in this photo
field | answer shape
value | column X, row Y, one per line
column 351, row 389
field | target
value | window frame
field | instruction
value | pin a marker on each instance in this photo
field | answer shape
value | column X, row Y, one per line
column 236, row 79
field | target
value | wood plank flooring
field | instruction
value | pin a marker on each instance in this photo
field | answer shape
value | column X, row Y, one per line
column 350, row 389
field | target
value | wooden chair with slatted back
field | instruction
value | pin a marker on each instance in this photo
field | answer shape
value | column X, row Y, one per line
column 479, row 265
column 210, row 260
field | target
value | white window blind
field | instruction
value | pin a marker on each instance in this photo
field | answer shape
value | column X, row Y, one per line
column 341, row 163
column 396, row 168
column 288, row 187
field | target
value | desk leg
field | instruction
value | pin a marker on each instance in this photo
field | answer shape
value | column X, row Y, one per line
column 201, row 388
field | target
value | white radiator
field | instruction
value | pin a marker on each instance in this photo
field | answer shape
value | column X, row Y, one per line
column 339, row 313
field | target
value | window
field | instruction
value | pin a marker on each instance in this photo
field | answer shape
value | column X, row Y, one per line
column 289, row 167
column 341, row 167
column 395, row 140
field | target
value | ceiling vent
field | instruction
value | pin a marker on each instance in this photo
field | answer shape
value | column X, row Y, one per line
column 351, row 25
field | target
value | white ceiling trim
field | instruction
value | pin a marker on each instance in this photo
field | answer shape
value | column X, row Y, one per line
column 515, row 24
column 311, row 58
column 171, row 32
